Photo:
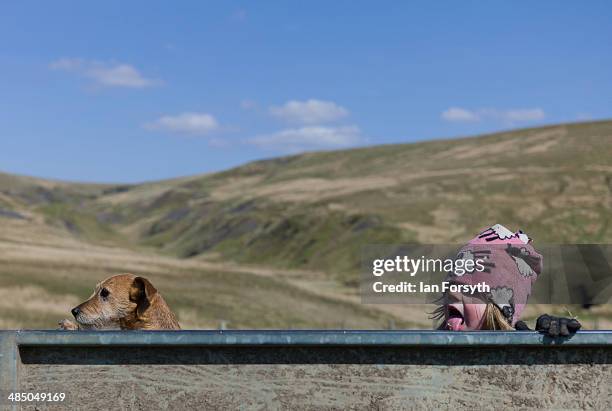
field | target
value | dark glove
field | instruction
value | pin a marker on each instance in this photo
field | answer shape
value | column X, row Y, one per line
column 555, row 326
column 521, row 326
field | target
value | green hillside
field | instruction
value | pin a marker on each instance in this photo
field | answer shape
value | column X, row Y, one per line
column 316, row 210
column 310, row 214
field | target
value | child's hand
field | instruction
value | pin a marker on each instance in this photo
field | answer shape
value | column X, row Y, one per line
column 552, row 326
column 555, row 326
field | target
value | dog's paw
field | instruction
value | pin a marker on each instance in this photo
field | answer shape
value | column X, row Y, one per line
column 68, row 325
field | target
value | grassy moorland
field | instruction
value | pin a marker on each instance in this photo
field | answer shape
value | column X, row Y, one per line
column 277, row 243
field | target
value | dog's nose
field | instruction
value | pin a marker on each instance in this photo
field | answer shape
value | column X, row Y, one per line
column 76, row 311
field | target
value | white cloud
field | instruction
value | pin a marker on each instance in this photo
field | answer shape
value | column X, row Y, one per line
column 309, row 112
column 186, row 123
column 309, row 138
column 104, row 73
column 459, row 114
column 510, row 116
column 67, row 64
column 519, row 115
column 247, row 104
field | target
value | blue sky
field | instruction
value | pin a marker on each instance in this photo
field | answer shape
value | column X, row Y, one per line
column 130, row 91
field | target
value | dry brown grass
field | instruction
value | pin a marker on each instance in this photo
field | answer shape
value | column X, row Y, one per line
column 39, row 284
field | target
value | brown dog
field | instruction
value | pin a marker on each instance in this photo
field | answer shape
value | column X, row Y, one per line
column 125, row 302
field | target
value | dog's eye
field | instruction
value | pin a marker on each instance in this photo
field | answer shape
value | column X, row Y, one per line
column 104, row 293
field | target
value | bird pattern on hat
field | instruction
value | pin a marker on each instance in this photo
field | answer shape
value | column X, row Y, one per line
column 511, row 266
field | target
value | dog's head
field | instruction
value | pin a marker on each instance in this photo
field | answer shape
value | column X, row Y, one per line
column 118, row 297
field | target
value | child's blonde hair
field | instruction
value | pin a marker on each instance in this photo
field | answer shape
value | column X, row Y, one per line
column 494, row 319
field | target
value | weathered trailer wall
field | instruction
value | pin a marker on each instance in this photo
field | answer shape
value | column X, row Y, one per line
column 227, row 373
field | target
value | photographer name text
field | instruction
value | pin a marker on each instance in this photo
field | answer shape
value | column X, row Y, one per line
column 421, row 287
column 412, row 266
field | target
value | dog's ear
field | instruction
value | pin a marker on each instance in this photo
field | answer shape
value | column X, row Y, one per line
column 141, row 292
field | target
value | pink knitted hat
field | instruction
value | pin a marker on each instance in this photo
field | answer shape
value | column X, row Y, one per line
column 511, row 267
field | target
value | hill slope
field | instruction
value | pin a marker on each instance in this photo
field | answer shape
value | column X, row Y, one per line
column 301, row 220
column 315, row 210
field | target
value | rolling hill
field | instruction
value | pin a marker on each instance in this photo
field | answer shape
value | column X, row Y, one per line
column 276, row 243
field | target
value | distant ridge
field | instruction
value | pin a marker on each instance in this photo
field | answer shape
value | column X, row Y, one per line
column 315, row 210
